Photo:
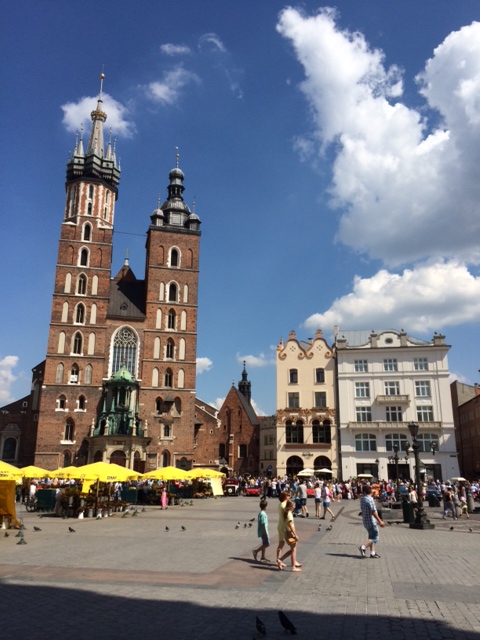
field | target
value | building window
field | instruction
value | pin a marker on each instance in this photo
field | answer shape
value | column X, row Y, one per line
column 425, row 414
column 294, row 400
column 422, row 389
column 319, row 376
column 362, row 389
column 221, row 450
column 321, row 433
column 392, row 388
column 87, row 232
column 420, row 364
column 82, row 404
column 74, row 374
column 171, row 319
column 80, row 314
column 365, row 442
column 9, row 450
column 425, row 441
column 293, row 376
column 69, row 430
column 390, row 364
column 242, row 451
column 174, row 258
column 394, row 414
column 90, row 191
column 320, row 399
column 77, row 343
column 392, row 439
column 170, row 349
column 294, row 432
column 125, row 350
column 82, row 284
column 168, row 378
column 62, row 402
column 166, row 431
column 172, row 292
column 84, row 257
column 364, row 414
column 361, row 366
column 158, row 406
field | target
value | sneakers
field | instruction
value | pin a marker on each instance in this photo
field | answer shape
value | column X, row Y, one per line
column 254, row 554
column 375, row 556
column 362, row 552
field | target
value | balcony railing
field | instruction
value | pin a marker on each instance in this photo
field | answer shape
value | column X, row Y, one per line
column 426, row 427
column 393, row 399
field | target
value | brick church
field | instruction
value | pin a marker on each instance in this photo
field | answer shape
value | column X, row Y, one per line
column 118, row 381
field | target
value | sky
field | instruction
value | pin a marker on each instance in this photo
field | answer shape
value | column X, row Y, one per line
column 331, row 152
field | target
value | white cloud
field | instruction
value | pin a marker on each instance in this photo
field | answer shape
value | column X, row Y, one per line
column 175, row 49
column 168, row 90
column 217, row 403
column 211, row 42
column 76, row 114
column 203, row 364
column 430, row 297
column 406, row 190
column 254, row 362
column 7, row 378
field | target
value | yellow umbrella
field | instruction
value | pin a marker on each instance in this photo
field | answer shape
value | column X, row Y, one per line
column 106, row 472
column 9, row 472
column 204, row 473
column 65, row 473
column 34, row 472
column 166, row 473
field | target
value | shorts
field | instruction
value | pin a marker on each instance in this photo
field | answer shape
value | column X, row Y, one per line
column 265, row 540
column 326, row 503
column 317, row 501
column 373, row 534
column 303, row 502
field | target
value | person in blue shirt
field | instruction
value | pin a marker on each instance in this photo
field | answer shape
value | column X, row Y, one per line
column 371, row 522
column 262, row 532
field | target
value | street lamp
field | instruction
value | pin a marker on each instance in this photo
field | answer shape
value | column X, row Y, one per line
column 421, row 521
column 394, row 459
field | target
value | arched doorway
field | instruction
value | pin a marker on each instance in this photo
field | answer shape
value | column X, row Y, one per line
column 98, row 457
column 166, row 459
column 294, row 465
column 322, row 462
column 119, row 457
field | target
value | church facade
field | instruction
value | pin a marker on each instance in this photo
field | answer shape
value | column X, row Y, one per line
column 119, row 377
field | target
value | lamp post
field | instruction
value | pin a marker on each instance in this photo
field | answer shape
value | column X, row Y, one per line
column 421, row 521
column 394, row 459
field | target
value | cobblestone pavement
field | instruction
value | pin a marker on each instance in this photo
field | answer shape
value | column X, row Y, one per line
column 130, row 578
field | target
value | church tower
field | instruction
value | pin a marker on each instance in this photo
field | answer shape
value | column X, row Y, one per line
column 76, row 350
column 171, row 294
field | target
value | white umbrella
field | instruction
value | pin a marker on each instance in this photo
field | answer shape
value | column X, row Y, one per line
column 323, row 471
column 364, row 475
column 306, row 472
column 459, row 479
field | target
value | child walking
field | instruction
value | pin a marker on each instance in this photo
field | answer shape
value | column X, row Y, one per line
column 262, row 531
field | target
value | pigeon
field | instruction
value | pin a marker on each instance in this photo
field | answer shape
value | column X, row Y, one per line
column 184, row 528
column 451, row 528
column 319, row 528
column 329, row 528
column 71, row 530
column 252, row 520
column 21, row 541
column 36, row 529
column 262, row 630
column 245, row 525
column 135, row 513
column 237, row 526
column 286, row 623
column 250, row 524
column 6, row 534
column 167, row 529
column 143, row 510
column 99, row 517
column 470, row 529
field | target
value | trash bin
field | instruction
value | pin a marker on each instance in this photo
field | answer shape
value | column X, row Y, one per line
column 407, row 509
column 433, row 500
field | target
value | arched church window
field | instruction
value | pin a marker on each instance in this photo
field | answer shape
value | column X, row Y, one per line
column 77, row 343
column 174, row 258
column 170, row 349
column 172, row 292
column 168, row 378
column 84, row 257
column 74, row 374
column 88, row 374
column 69, row 430
column 80, row 315
column 87, row 232
column 59, row 375
column 171, row 321
column 82, row 284
column 125, row 344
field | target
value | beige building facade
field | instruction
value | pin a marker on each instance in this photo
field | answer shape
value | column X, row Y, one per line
column 306, row 428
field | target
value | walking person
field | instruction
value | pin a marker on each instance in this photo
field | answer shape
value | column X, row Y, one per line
column 282, row 502
column 327, row 496
column 371, row 522
column 262, row 532
column 448, row 504
column 301, row 494
column 291, row 539
column 317, row 493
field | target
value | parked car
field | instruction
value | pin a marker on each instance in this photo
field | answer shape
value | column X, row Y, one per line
column 252, row 491
column 231, row 487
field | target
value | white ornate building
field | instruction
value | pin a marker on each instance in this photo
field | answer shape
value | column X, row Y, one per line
column 385, row 381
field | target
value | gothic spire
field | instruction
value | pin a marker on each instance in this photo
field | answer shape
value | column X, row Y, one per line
column 95, row 144
column 245, row 386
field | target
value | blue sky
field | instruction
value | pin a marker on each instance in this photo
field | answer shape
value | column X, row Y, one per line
column 332, row 155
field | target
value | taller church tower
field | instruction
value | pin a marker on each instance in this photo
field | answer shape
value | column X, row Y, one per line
column 119, row 382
